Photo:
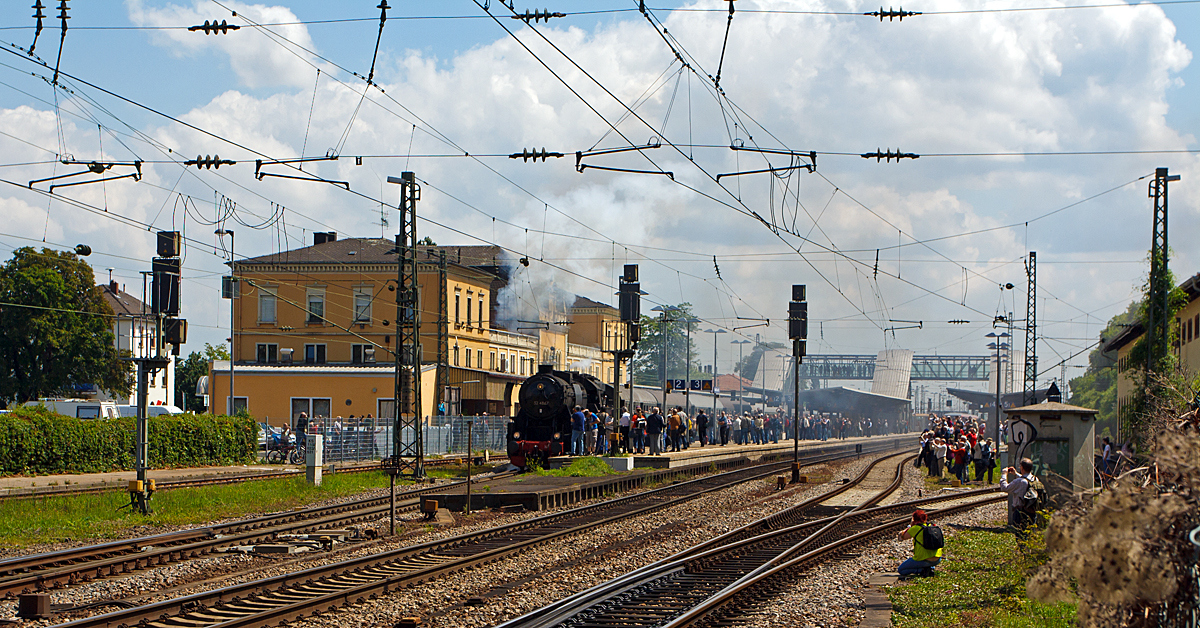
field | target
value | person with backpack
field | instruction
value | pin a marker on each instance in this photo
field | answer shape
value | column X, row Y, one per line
column 928, row 543
column 1026, row 496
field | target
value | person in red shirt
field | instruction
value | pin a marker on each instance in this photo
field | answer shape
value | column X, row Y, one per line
column 959, row 451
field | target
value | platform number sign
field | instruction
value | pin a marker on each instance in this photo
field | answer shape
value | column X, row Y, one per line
column 679, row 384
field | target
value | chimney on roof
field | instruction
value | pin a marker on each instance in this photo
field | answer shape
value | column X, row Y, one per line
column 112, row 287
column 321, row 237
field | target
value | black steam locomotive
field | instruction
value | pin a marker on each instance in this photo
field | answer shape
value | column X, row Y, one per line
column 542, row 427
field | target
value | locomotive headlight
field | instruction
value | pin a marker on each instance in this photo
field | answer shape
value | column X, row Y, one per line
column 557, row 435
column 516, row 436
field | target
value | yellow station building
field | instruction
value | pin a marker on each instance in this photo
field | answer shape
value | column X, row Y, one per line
column 1186, row 347
column 314, row 329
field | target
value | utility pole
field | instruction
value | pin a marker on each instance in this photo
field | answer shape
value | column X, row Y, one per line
column 230, row 291
column 1030, row 396
column 1157, row 305
column 407, row 457
column 443, row 335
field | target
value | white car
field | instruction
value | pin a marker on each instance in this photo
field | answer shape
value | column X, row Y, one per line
column 79, row 408
column 150, row 410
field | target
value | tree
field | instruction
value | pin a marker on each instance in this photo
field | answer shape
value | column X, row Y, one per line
column 648, row 361
column 189, row 372
column 55, row 328
column 748, row 366
column 426, row 241
column 1097, row 387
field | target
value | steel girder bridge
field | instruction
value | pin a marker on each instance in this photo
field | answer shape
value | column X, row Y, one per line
column 924, row 367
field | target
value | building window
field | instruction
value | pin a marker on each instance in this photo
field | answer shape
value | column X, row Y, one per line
column 266, row 352
column 239, row 404
column 316, row 306
column 362, row 354
column 266, row 305
column 468, row 358
column 455, row 355
column 522, row 366
column 493, row 364
column 313, row 407
column 362, row 305
column 479, row 355
column 468, row 311
column 482, row 323
column 457, row 297
column 503, row 362
column 314, row 354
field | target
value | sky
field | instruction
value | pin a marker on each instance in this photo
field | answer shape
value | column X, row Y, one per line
column 1038, row 125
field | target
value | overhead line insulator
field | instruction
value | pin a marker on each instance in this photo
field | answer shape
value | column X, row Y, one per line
column 889, row 155
column 206, row 162
column 534, row 154
column 537, row 16
column 892, row 14
column 210, row 28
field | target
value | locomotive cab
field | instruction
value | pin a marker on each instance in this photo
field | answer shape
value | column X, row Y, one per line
column 542, row 426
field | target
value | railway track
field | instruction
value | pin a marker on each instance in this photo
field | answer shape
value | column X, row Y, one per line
column 40, row 572
column 278, row 599
column 714, row 582
column 166, row 485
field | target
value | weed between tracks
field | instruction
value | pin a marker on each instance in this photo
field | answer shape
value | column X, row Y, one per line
column 980, row 584
column 101, row 516
column 579, row 468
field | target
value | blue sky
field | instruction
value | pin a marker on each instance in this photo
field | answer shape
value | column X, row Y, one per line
column 1115, row 79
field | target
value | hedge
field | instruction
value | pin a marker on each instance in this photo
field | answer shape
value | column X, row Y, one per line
column 34, row 440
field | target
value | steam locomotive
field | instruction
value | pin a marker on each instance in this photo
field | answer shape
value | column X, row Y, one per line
column 542, row 427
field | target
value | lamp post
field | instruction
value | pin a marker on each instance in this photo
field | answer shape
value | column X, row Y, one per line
column 232, row 333
column 741, row 390
column 998, row 345
column 662, row 331
column 713, row 419
column 687, row 369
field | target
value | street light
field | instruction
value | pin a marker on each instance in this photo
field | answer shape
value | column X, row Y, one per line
column 221, row 233
column 688, row 363
column 998, row 345
column 741, row 391
column 662, row 321
column 713, row 419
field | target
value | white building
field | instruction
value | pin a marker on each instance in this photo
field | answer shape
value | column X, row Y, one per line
column 134, row 331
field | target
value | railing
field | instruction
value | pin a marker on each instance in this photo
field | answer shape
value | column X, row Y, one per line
column 367, row 438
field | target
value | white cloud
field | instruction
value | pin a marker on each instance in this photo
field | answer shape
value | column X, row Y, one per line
column 1015, row 82
column 254, row 55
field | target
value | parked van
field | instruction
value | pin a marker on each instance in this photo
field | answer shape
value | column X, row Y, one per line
column 150, row 410
column 79, row 408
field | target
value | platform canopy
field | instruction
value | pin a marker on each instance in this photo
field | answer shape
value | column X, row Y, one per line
column 854, row 403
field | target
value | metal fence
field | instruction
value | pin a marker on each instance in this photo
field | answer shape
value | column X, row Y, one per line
column 349, row 440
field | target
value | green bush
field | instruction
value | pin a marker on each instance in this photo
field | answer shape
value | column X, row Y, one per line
column 34, row 440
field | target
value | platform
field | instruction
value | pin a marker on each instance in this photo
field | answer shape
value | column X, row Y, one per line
column 537, row 492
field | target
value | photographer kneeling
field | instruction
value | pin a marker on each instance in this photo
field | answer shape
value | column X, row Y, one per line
column 927, row 546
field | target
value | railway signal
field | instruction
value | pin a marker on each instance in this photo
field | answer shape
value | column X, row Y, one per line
column 798, row 333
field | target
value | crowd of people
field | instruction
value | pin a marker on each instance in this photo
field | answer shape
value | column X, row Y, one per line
column 653, row 431
column 954, row 447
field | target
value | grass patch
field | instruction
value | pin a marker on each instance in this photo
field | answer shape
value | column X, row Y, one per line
column 101, row 516
column 980, row 584
column 588, row 467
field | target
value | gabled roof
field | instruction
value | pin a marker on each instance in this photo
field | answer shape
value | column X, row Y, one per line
column 1051, row 406
column 122, row 303
column 381, row 251
column 582, row 302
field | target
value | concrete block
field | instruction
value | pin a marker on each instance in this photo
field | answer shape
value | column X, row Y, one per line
column 619, row 463
column 314, row 456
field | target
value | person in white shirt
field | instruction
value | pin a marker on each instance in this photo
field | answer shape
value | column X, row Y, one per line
column 623, row 426
column 1016, row 490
